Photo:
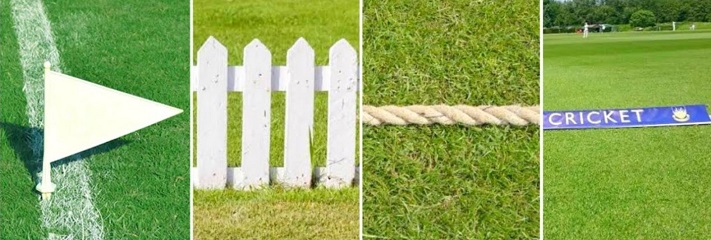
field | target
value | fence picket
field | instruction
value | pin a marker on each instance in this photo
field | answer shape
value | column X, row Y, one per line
column 256, row 115
column 299, row 114
column 212, row 115
column 340, row 164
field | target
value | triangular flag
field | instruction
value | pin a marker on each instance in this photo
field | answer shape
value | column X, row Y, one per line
column 79, row 115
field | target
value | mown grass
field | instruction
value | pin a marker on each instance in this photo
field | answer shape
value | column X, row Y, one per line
column 300, row 214
column 645, row 183
column 141, row 188
column 19, row 211
column 448, row 182
column 140, row 48
column 276, row 213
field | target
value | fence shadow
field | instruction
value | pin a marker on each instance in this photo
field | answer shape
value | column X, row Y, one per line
column 19, row 138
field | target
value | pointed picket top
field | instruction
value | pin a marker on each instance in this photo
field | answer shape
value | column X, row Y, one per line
column 300, row 55
column 258, row 59
column 211, row 45
column 256, row 47
column 343, row 57
column 301, row 48
column 342, row 46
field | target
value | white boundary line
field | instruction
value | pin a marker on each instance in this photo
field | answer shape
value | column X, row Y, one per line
column 70, row 212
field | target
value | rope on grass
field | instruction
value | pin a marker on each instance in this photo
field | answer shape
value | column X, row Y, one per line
column 448, row 115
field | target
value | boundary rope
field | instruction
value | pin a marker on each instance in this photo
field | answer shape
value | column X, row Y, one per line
column 447, row 115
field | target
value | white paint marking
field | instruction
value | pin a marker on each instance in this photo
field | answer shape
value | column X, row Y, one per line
column 70, row 213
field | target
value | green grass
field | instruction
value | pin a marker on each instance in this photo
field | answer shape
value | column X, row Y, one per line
column 277, row 24
column 276, row 213
column 644, row 183
column 141, row 188
column 19, row 209
column 447, row 182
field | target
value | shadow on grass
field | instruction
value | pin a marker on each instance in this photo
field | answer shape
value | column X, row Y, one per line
column 19, row 138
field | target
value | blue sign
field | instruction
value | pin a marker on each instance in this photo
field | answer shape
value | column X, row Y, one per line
column 629, row 117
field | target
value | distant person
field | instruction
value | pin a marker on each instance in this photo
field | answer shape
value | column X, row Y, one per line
column 602, row 27
column 585, row 30
column 693, row 27
column 673, row 26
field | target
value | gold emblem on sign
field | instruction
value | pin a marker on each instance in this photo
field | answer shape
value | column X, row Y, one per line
column 680, row 114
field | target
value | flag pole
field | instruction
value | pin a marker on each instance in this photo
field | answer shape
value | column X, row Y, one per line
column 45, row 186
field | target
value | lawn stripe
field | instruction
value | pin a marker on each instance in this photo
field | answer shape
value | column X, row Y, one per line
column 70, row 213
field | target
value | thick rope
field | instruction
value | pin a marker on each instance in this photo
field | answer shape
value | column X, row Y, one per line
column 448, row 115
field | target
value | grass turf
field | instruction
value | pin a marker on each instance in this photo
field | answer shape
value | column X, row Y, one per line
column 19, row 211
column 276, row 213
column 642, row 183
column 444, row 182
column 141, row 188
column 319, row 212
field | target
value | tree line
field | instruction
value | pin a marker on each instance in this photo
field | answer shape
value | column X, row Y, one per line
column 576, row 12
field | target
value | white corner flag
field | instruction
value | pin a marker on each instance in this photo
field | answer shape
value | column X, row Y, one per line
column 79, row 115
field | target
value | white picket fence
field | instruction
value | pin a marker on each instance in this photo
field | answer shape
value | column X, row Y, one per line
column 256, row 79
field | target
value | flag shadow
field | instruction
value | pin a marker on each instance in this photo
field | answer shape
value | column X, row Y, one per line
column 20, row 139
